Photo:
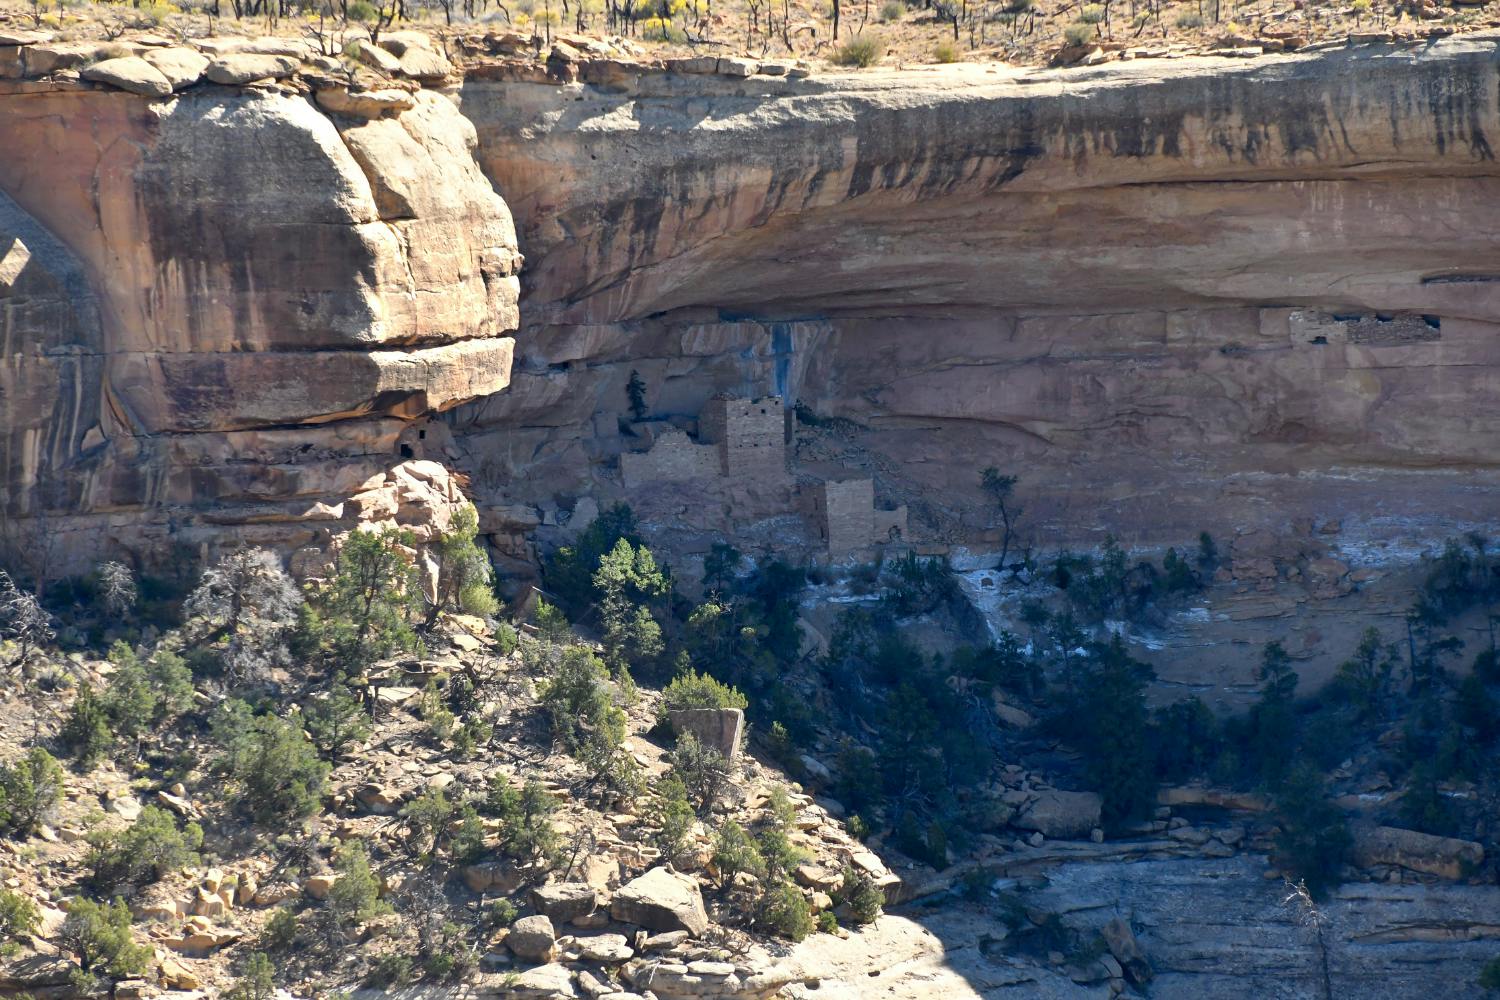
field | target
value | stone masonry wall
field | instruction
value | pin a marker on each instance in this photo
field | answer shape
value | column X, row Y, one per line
column 673, row 458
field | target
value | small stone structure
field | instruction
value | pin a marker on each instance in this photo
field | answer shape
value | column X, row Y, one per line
column 750, row 435
column 848, row 520
column 742, row 440
column 673, row 458
column 720, row 728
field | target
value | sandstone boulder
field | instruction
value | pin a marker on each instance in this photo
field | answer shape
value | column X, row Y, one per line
column 130, row 73
column 565, row 901
column 1064, row 815
column 532, row 938
column 1127, row 951
column 719, row 728
column 369, row 104
column 1447, row 857
column 545, row 982
column 378, row 58
column 239, row 68
column 661, row 900
column 182, row 66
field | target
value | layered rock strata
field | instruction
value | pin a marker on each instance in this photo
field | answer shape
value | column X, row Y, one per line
column 227, row 307
column 1173, row 296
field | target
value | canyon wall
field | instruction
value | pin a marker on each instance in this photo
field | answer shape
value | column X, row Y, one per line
column 1171, row 295
column 222, row 312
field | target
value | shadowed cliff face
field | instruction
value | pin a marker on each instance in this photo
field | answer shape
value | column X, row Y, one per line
column 1174, row 296
column 270, row 294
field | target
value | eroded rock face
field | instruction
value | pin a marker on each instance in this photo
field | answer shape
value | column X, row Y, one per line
column 227, row 307
column 1179, row 296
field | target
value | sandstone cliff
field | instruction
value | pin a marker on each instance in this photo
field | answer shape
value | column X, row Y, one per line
column 229, row 304
column 1172, row 295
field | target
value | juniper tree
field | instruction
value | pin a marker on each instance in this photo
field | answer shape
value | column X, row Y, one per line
column 22, row 619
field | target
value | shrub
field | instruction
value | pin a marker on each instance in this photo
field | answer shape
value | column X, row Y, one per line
column 97, row 935
column 257, row 980
column 1423, row 806
column 87, row 731
column 862, row 51
column 1489, row 976
column 863, row 897
column 1091, row 13
column 1079, row 33
column 501, row 913
column 142, row 853
column 783, row 910
column 336, row 721
column 673, row 817
column 780, row 854
column 892, row 11
column 366, row 615
column 1314, row 837
column 29, row 791
column 142, row 694
column 828, row 923
column 945, row 52
column 581, row 702
column 735, row 852
column 117, row 590
column 275, row 773
column 389, row 970
column 281, row 929
column 703, row 770
column 463, row 570
column 526, row 829
column 18, row 917
column 1189, row 20
column 355, row 896
column 694, row 690
column 627, row 583
column 569, row 572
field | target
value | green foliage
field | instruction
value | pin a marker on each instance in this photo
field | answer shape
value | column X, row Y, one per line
column 1079, row 33
column 427, row 818
column 945, row 52
column 859, row 784
column 784, row 911
column 779, row 853
column 863, row 897
column 1423, row 806
column 1314, row 837
column 389, row 970
column 1489, row 976
column 281, row 929
column 720, row 566
column 366, row 613
column 97, row 936
column 141, row 694
column 672, row 815
column 501, row 913
column 581, row 703
column 892, row 11
column 702, row 769
column 526, row 830
column 275, row 773
column 257, row 979
column 552, row 624
column 19, row 917
column 1106, row 720
column 142, row 853
column 355, row 896
column 336, row 721
column 628, row 582
column 464, row 575
column 1366, row 675
column 1272, row 722
column 1187, row 740
column 695, row 690
column 862, row 51
column 29, row 791
column 735, row 851
column 569, row 572
column 921, row 586
column 1091, row 13
column 86, row 732
column 635, row 393
column 828, row 923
